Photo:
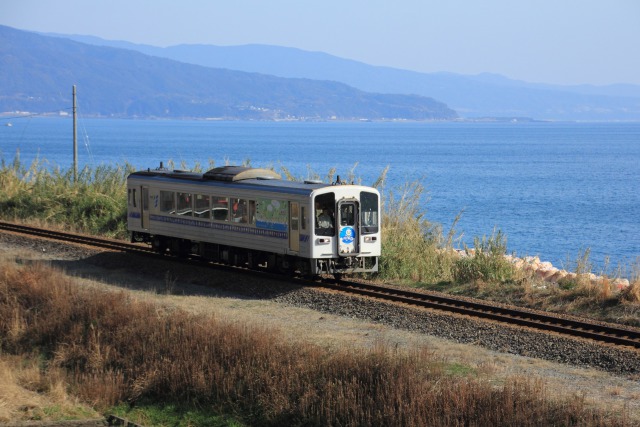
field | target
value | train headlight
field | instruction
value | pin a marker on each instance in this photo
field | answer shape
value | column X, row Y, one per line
column 370, row 239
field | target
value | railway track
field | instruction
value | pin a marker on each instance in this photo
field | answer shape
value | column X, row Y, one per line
column 116, row 245
column 606, row 333
column 600, row 332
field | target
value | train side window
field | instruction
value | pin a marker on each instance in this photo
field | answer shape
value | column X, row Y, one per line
column 184, row 204
column 324, row 214
column 201, row 206
column 252, row 212
column 131, row 197
column 369, row 218
column 220, row 208
column 303, row 217
column 239, row 211
column 166, row 202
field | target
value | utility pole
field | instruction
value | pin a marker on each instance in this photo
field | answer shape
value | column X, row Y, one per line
column 75, row 138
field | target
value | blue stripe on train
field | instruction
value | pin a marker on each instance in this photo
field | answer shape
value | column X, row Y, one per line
column 220, row 226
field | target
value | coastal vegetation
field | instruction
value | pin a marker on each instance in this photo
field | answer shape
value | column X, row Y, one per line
column 416, row 252
column 94, row 202
column 91, row 342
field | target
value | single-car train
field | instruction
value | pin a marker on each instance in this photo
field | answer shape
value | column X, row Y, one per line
column 251, row 217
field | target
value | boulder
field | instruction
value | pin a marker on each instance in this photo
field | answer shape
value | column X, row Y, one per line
column 620, row 284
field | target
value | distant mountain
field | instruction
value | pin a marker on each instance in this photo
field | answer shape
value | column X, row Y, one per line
column 483, row 95
column 37, row 73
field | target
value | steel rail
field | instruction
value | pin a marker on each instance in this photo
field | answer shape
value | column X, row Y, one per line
column 608, row 333
column 76, row 238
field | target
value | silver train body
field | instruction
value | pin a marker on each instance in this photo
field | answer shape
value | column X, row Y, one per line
column 251, row 217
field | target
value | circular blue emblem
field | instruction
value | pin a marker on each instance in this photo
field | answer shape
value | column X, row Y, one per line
column 347, row 235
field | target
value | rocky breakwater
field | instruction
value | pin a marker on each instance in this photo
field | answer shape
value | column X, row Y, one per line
column 545, row 271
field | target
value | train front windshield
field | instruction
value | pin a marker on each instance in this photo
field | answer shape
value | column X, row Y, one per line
column 369, row 215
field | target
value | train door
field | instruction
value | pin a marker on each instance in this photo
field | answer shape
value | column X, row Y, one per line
column 144, row 207
column 294, row 226
column 347, row 226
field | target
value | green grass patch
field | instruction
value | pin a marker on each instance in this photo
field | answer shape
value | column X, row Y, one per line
column 173, row 415
column 460, row 370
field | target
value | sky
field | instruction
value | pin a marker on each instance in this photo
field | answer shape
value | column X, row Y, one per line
column 539, row 41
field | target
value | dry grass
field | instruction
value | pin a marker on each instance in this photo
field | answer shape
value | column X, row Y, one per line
column 632, row 293
column 30, row 393
column 108, row 347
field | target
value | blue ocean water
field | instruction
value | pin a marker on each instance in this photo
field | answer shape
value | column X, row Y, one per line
column 554, row 189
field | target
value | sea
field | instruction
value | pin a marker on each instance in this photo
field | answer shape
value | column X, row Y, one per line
column 560, row 191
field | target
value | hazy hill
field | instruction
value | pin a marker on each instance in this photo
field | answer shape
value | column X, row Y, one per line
column 484, row 95
column 37, row 73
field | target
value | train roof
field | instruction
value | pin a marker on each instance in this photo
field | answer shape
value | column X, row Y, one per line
column 236, row 176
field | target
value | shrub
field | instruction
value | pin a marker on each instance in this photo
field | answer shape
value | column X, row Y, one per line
column 412, row 247
column 95, row 202
column 632, row 293
column 486, row 263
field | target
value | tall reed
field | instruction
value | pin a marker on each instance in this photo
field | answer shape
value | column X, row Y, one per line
column 413, row 248
column 95, row 202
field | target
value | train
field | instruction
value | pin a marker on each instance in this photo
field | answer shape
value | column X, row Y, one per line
column 253, row 218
